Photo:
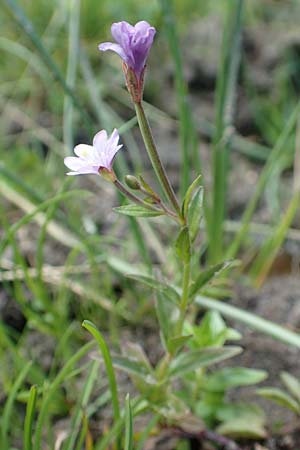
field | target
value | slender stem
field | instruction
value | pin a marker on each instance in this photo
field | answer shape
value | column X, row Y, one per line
column 134, row 198
column 154, row 157
column 184, row 296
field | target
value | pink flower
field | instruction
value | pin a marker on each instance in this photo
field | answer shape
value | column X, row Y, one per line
column 96, row 158
column 133, row 44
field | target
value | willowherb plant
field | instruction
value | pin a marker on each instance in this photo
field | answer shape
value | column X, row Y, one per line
column 188, row 349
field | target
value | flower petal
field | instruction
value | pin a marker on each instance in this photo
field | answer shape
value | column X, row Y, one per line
column 74, row 163
column 143, row 27
column 100, row 139
column 121, row 29
column 114, row 48
column 83, row 151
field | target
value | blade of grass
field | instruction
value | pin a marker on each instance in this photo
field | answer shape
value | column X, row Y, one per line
column 108, row 365
column 272, row 161
column 188, row 136
column 225, row 101
column 138, row 407
column 79, row 413
column 73, row 53
column 271, row 246
column 253, row 321
column 128, row 425
column 146, row 432
column 27, row 26
column 28, row 423
column 8, row 407
column 35, row 214
column 49, row 395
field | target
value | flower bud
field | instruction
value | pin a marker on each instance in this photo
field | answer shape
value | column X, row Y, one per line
column 132, row 182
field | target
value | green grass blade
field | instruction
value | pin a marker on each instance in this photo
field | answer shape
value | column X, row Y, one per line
column 74, row 32
column 49, row 395
column 225, row 100
column 8, row 408
column 26, row 25
column 128, row 425
column 271, row 246
column 108, row 365
column 146, row 432
column 253, row 321
column 188, row 135
column 28, row 217
column 79, row 413
column 30, row 411
column 273, row 160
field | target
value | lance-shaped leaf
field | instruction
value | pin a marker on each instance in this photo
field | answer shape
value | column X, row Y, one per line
column 183, row 245
column 207, row 275
column 195, row 359
column 137, row 211
column 229, row 377
column 280, row 397
column 167, row 315
column 175, row 343
column 195, row 184
column 244, row 427
column 162, row 286
column 292, row 384
column 195, row 213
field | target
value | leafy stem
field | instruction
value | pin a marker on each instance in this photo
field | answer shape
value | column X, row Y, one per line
column 184, row 296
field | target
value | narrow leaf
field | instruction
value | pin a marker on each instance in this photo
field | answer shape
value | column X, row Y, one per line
column 183, row 245
column 137, row 211
column 292, row 384
column 128, row 425
column 207, row 275
column 195, row 359
column 280, row 397
column 30, row 410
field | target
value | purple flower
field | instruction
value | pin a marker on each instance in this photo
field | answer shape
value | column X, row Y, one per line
column 133, row 44
column 95, row 158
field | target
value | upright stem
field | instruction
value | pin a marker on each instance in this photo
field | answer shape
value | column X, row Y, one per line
column 154, row 157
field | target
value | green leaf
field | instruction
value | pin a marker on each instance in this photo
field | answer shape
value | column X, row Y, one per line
column 195, row 213
column 207, row 275
column 254, row 321
column 135, row 352
column 183, row 245
column 128, row 425
column 292, row 384
column 177, row 342
column 196, row 359
column 108, row 365
column 147, row 187
column 195, row 184
column 137, row 211
column 232, row 411
column 133, row 367
column 280, row 397
column 167, row 316
column 152, row 282
column 212, row 332
column 229, row 377
column 7, row 413
column 243, row 428
column 30, row 410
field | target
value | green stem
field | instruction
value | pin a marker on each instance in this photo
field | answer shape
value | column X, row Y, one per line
column 154, row 157
column 134, row 198
column 184, row 296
